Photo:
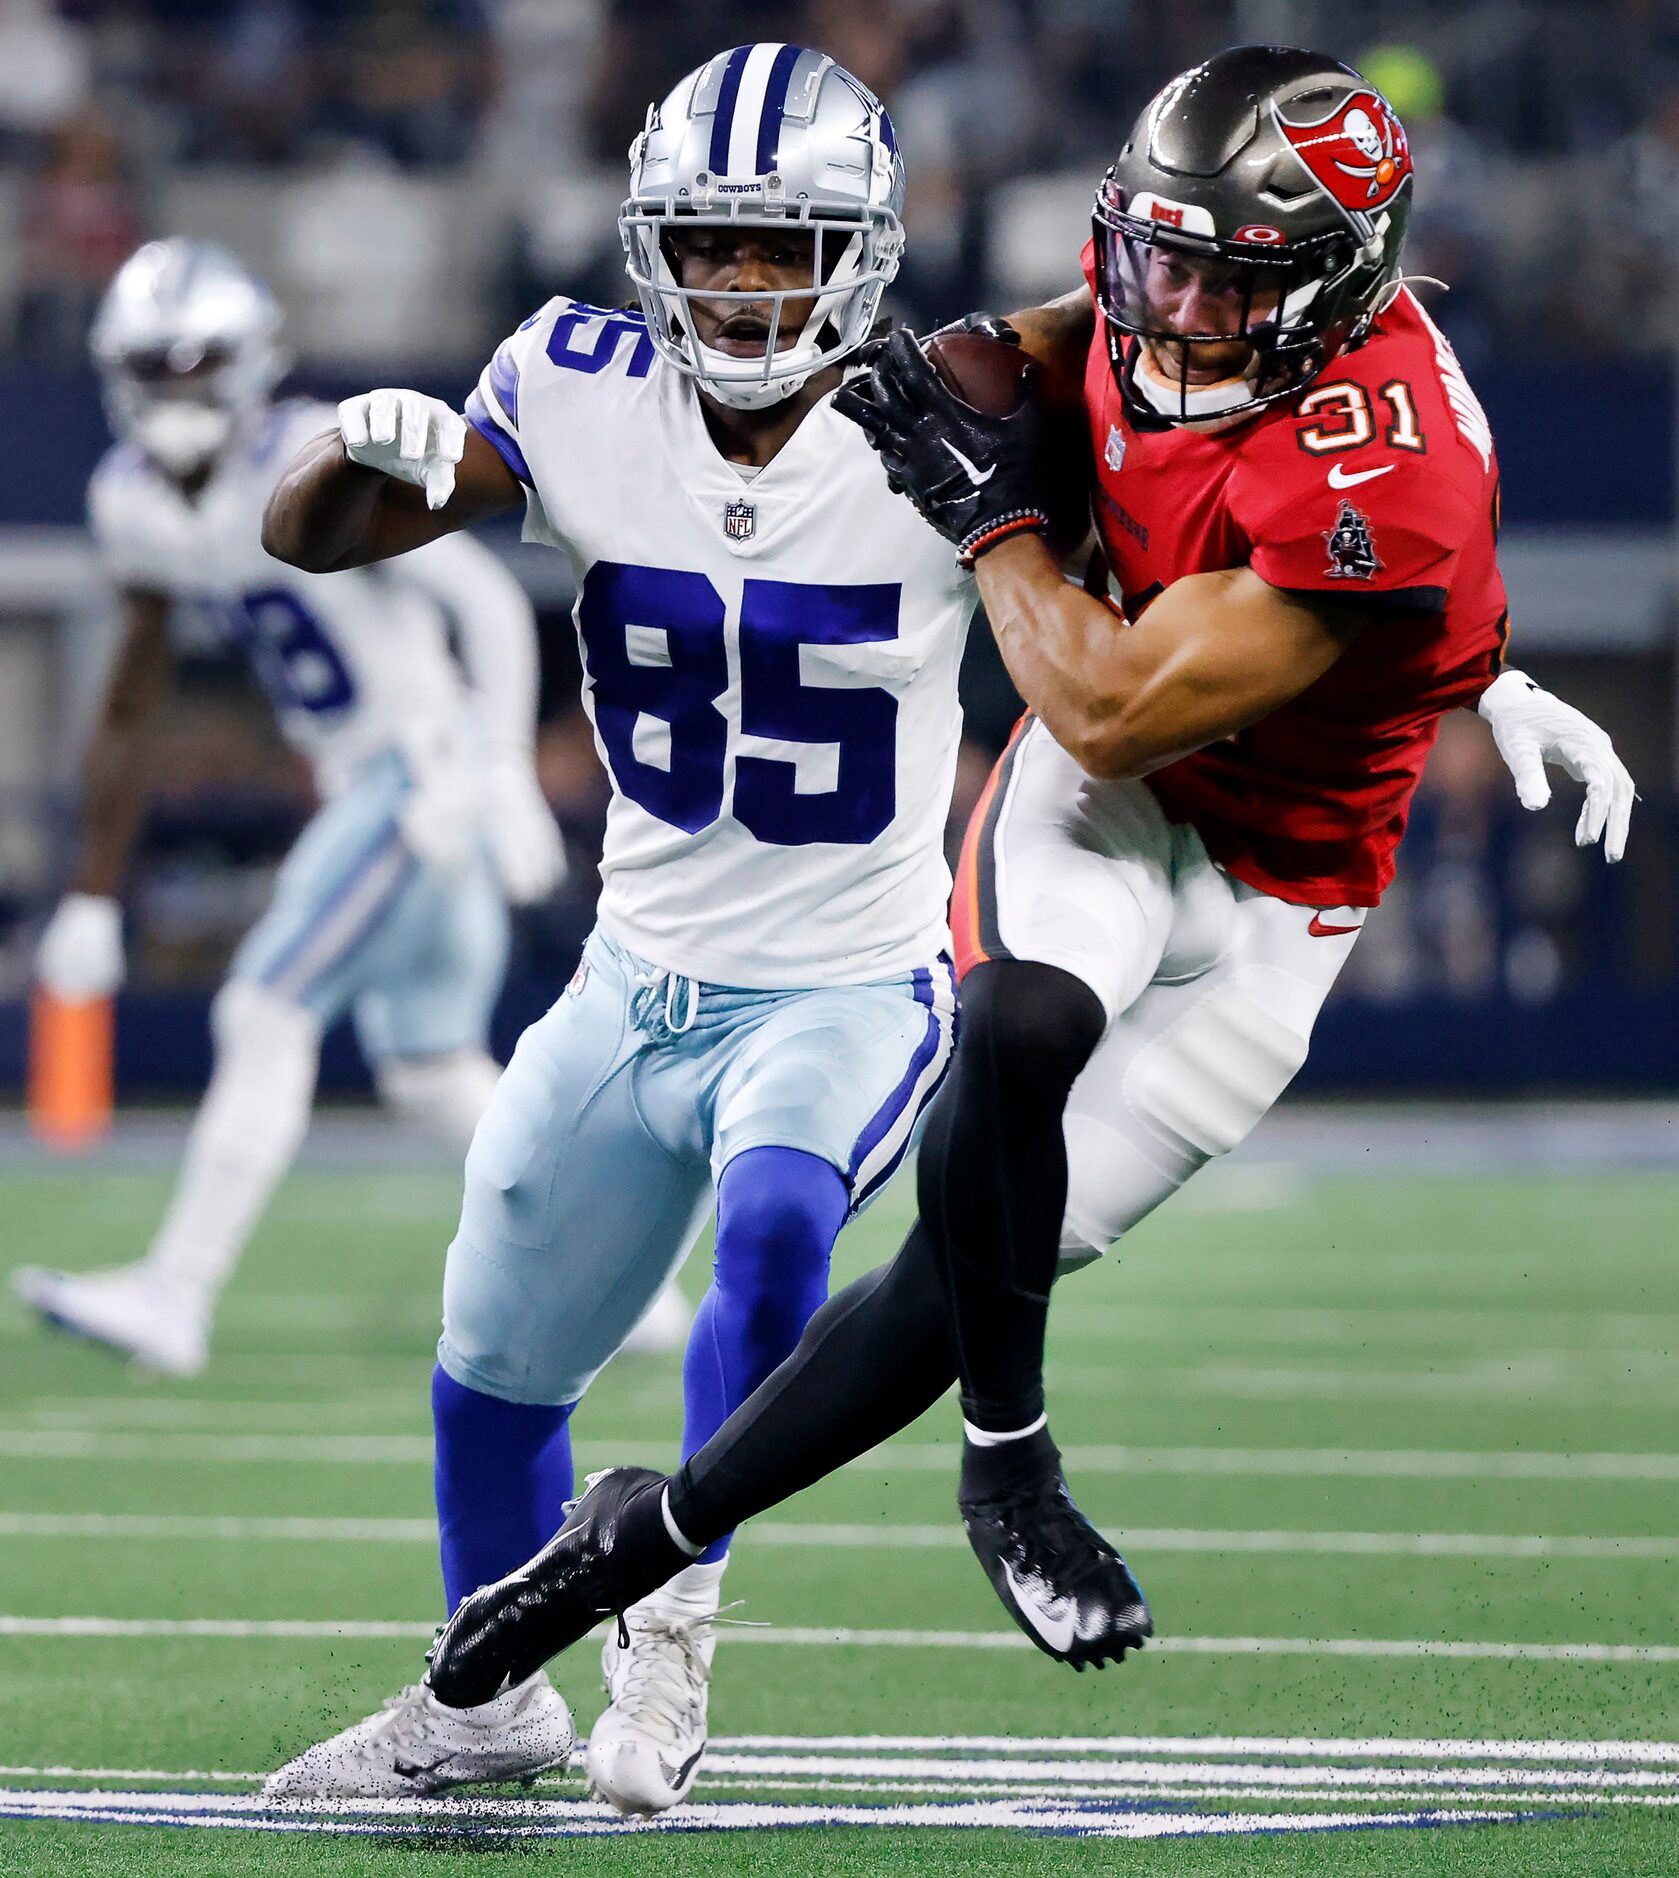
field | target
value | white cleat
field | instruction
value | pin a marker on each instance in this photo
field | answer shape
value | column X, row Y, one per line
column 415, row 1745
column 645, row 1751
column 663, row 1329
column 127, row 1308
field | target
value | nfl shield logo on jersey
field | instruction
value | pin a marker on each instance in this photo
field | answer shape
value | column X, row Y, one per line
column 739, row 520
column 1114, row 454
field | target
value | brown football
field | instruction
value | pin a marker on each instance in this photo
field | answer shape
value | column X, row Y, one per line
column 986, row 373
column 982, row 371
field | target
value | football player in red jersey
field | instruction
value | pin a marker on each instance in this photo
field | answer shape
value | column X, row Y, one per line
column 1296, row 493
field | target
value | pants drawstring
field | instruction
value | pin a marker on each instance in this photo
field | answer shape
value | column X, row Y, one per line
column 671, row 1016
column 681, row 995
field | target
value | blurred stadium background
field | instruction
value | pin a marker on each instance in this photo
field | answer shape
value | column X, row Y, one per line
column 414, row 176
column 1393, row 1393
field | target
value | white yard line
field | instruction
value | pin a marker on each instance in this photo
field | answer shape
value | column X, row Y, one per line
column 553, row 1818
column 66, row 1444
column 886, row 1752
column 1567, row 1333
column 265, row 1528
column 141, row 1413
column 1101, row 1774
column 236, row 1526
column 1516, row 1381
column 1046, row 1771
column 840, row 1637
column 1229, row 1747
column 1141, row 1539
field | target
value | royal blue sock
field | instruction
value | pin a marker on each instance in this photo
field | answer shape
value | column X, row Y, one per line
column 503, row 1475
column 778, row 1213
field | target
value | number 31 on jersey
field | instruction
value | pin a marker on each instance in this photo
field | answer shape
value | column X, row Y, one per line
column 1345, row 420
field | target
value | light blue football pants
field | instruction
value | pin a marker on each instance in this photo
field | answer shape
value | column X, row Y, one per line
column 358, row 924
column 593, row 1169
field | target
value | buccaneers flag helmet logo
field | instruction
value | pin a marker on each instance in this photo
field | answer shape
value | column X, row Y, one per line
column 1359, row 153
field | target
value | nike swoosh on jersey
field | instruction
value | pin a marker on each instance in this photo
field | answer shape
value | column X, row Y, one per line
column 1058, row 1627
column 1319, row 930
column 1340, row 477
column 974, row 475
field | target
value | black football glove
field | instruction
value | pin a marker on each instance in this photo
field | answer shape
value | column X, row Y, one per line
column 976, row 479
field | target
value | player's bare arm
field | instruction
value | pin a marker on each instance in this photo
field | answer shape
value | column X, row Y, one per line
column 1213, row 654
column 112, row 803
column 394, row 475
column 1057, row 336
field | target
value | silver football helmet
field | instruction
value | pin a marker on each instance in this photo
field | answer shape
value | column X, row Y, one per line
column 777, row 137
column 186, row 344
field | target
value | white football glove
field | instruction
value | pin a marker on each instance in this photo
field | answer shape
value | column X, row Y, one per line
column 80, row 955
column 440, row 817
column 407, row 435
column 1532, row 728
column 519, row 825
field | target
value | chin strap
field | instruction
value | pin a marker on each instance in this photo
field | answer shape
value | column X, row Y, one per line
column 1198, row 400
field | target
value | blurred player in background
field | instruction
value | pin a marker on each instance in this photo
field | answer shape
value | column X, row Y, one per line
column 1296, row 492
column 771, row 643
column 393, row 904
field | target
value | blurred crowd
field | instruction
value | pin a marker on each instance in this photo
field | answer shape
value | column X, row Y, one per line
column 415, row 175
column 1546, row 134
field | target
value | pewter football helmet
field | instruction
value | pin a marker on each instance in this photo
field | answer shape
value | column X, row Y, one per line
column 778, row 137
column 185, row 343
column 1292, row 177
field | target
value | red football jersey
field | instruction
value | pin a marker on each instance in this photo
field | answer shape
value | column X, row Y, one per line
column 1377, row 484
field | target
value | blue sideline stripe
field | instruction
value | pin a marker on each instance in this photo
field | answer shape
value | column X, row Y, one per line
column 775, row 107
column 722, row 121
column 478, row 416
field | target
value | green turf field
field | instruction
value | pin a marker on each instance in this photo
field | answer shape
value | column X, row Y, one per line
column 1397, row 1460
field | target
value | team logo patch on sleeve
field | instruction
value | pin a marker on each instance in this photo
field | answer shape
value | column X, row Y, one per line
column 740, row 520
column 1352, row 548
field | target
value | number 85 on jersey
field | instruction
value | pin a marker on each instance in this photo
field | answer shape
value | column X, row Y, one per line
column 665, row 659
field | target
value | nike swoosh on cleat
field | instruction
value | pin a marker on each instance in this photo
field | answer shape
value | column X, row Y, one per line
column 1060, row 1632
column 974, row 475
column 415, row 1770
column 1340, row 477
column 674, row 1777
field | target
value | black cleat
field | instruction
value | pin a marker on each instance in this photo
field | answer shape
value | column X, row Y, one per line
column 1059, row 1579
column 506, row 1631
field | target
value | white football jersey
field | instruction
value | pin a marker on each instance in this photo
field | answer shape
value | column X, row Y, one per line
column 770, row 663
column 354, row 663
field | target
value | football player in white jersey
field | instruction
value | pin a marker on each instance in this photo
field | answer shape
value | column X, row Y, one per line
column 393, row 904
column 771, row 643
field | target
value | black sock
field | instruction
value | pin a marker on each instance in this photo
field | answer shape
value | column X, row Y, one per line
column 644, row 1554
column 993, row 1177
column 872, row 1359
column 1000, row 1472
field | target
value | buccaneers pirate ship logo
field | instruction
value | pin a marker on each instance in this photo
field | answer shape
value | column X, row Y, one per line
column 1359, row 153
column 1352, row 551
